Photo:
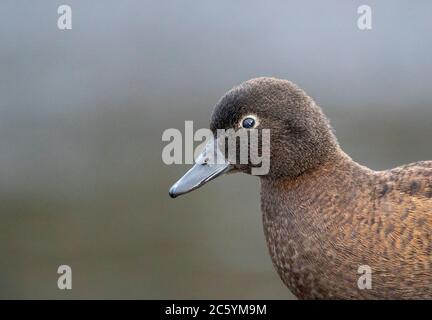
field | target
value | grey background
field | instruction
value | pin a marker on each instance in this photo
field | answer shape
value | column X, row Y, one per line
column 82, row 114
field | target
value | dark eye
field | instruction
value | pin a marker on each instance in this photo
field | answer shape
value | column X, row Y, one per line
column 248, row 123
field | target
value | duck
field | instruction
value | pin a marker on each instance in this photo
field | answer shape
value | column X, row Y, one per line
column 327, row 218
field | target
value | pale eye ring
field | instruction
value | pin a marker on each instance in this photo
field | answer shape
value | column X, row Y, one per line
column 249, row 122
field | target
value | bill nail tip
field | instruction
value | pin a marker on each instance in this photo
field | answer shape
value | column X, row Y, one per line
column 172, row 193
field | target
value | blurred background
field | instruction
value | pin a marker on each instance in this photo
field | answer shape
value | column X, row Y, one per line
column 82, row 113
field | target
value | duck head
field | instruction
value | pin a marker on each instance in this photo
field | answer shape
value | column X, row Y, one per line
column 301, row 137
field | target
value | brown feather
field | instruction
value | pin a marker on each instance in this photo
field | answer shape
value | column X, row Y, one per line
column 325, row 215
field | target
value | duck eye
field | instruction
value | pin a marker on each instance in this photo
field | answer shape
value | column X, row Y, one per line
column 248, row 123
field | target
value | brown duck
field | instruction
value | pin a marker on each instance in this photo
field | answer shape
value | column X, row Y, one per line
column 325, row 216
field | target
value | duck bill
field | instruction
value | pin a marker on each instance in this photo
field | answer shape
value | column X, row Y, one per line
column 209, row 164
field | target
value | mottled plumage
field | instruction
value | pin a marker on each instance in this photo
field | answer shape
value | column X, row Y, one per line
column 321, row 226
column 324, row 215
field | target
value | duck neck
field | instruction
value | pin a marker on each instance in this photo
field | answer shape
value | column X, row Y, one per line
column 305, row 220
column 335, row 183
